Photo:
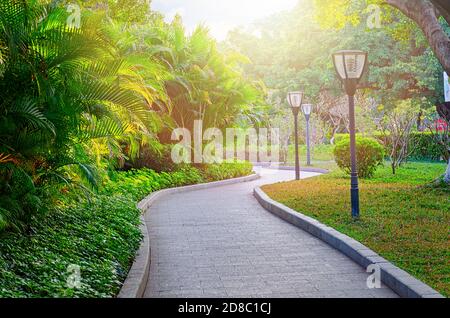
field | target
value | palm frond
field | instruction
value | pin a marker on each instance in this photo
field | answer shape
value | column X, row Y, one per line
column 28, row 110
column 89, row 173
column 5, row 158
column 101, row 128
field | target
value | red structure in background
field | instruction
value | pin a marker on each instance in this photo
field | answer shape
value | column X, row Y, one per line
column 440, row 125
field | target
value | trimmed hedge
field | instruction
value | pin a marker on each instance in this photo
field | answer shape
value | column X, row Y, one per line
column 369, row 153
column 422, row 145
column 100, row 235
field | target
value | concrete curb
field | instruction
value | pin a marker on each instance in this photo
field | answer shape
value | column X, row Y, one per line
column 136, row 281
column 398, row 280
column 302, row 169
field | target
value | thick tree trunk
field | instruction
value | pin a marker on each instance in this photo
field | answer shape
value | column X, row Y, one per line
column 424, row 13
column 447, row 173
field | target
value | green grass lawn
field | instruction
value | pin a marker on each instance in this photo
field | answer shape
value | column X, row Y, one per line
column 401, row 219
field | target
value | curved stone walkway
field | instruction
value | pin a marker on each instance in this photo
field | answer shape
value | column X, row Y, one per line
column 221, row 243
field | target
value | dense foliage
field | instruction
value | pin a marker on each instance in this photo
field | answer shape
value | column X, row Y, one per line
column 97, row 86
column 292, row 50
column 369, row 156
column 72, row 90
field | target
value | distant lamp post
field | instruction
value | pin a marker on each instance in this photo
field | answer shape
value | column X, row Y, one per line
column 350, row 67
column 307, row 109
column 295, row 101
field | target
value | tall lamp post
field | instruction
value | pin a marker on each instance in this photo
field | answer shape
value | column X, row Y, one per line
column 307, row 109
column 295, row 101
column 350, row 67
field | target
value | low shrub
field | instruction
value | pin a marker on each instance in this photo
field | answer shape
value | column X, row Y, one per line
column 342, row 137
column 424, row 147
column 140, row 183
column 369, row 154
column 226, row 170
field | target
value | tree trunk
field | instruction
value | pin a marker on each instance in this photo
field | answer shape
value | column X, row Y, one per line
column 447, row 173
column 424, row 13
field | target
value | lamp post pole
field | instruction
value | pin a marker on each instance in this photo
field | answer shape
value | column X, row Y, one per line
column 350, row 66
column 308, row 144
column 295, row 101
column 307, row 109
column 354, row 171
column 295, row 111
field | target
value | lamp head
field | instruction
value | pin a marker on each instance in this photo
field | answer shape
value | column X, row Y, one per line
column 307, row 109
column 350, row 64
column 295, row 99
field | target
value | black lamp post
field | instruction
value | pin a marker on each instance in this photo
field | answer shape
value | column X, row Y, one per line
column 307, row 109
column 350, row 66
column 295, row 101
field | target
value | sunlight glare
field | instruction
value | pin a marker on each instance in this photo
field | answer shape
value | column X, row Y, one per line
column 221, row 15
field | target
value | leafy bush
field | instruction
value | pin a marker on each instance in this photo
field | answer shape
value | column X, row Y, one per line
column 75, row 97
column 425, row 147
column 369, row 153
column 158, row 158
column 338, row 138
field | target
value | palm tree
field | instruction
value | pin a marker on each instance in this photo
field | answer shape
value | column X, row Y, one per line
column 205, row 84
column 60, row 88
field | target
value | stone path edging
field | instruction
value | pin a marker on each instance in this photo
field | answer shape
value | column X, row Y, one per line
column 302, row 169
column 269, row 165
column 398, row 280
column 136, row 281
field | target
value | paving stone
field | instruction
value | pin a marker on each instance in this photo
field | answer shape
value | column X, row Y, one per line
column 220, row 242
